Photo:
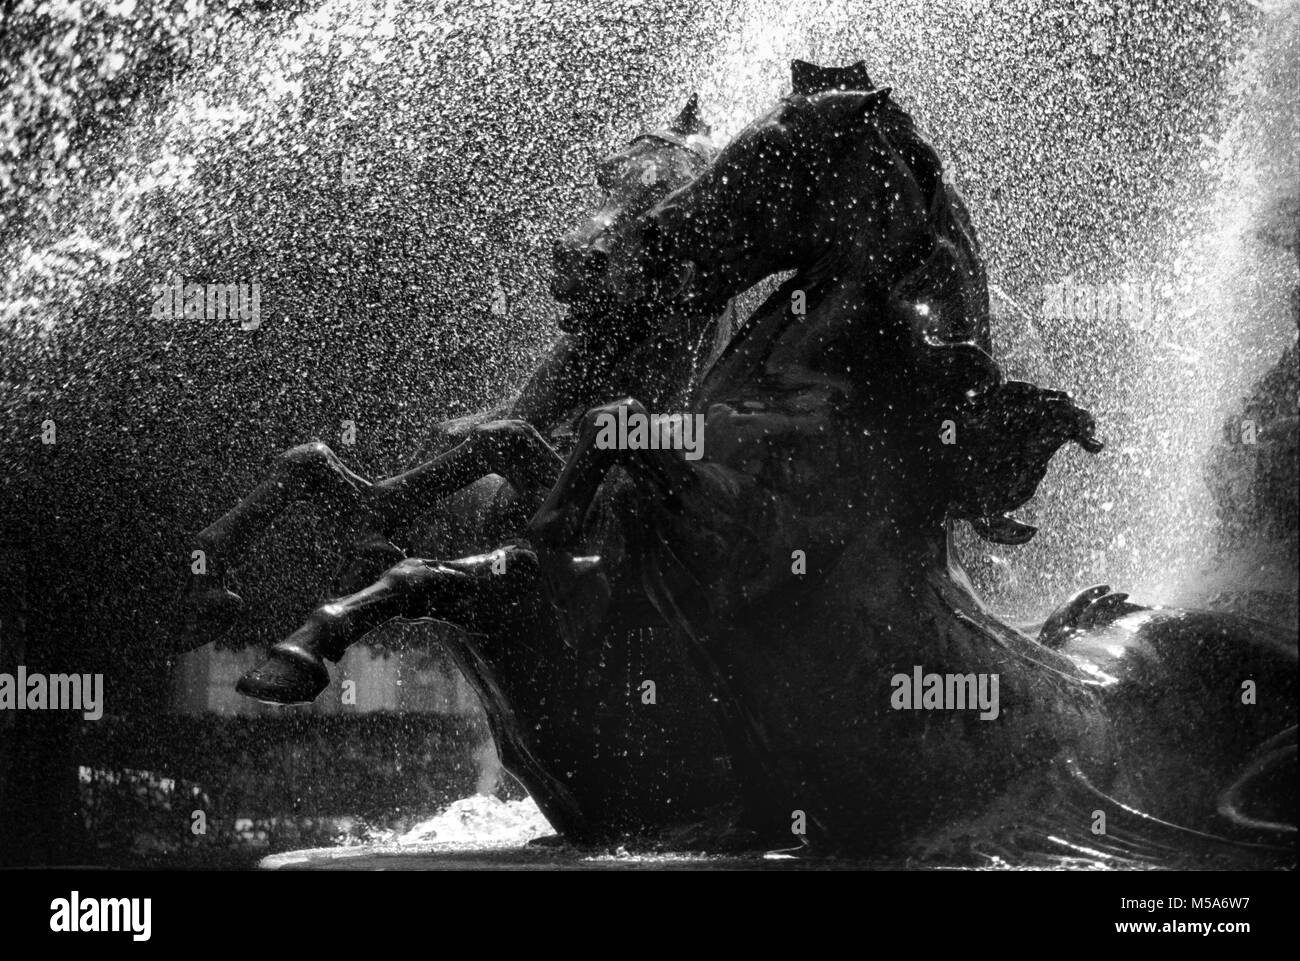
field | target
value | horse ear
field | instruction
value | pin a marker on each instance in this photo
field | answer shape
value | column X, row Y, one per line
column 869, row 103
column 808, row 78
column 855, row 77
column 805, row 77
column 852, row 110
column 688, row 121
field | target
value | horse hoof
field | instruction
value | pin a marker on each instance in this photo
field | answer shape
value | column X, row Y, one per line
column 1063, row 621
column 207, row 612
column 290, row 675
column 1106, row 610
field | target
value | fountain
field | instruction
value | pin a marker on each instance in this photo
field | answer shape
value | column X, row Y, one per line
column 365, row 162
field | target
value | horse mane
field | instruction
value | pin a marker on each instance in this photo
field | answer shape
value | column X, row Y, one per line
column 898, row 126
column 948, row 219
column 1012, row 429
column 900, row 129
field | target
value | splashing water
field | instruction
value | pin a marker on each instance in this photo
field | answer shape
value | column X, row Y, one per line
column 1095, row 147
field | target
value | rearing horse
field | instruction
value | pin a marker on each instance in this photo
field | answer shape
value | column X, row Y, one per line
column 569, row 724
column 782, row 438
column 825, row 439
column 608, row 347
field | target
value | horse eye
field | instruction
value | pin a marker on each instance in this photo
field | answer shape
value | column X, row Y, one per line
column 652, row 193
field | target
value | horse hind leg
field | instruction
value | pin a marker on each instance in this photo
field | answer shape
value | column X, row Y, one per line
column 472, row 592
column 307, row 472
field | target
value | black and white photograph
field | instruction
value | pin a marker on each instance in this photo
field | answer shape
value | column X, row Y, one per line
column 853, row 444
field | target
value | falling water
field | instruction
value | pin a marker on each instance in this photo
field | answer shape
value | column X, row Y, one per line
column 391, row 174
column 1095, row 145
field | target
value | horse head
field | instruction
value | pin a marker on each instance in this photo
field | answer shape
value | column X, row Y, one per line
column 774, row 199
column 838, row 185
column 631, row 181
column 835, row 184
column 613, row 346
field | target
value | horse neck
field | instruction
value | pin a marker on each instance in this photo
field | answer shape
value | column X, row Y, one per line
column 745, row 354
column 842, row 296
column 583, row 370
column 661, row 368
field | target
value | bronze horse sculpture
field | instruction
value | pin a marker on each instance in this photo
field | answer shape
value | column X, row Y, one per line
column 605, row 346
column 785, row 583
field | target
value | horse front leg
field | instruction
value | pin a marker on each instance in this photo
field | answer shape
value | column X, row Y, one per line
column 512, row 449
column 479, row 593
column 304, row 473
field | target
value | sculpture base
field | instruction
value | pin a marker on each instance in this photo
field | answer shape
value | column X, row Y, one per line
column 468, row 857
column 484, row 832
